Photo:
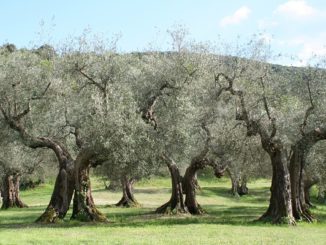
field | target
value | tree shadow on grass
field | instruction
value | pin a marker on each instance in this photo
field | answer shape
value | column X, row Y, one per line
column 255, row 196
column 243, row 213
column 138, row 190
column 146, row 217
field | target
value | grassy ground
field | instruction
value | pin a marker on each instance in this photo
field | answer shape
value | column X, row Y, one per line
column 228, row 220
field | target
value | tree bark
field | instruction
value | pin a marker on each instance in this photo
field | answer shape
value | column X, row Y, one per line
column 10, row 192
column 297, row 163
column 128, row 199
column 235, row 185
column 235, row 182
column 243, row 189
column 280, row 206
column 63, row 187
column 61, row 197
column 84, row 208
column 176, row 203
column 190, row 185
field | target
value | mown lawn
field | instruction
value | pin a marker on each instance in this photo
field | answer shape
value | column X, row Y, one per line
column 228, row 220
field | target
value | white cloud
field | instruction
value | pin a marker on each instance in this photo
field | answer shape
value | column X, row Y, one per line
column 266, row 24
column 307, row 47
column 240, row 15
column 310, row 49
column 296, row 9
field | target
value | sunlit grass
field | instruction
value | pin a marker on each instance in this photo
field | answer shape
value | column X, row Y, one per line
column 228, row 220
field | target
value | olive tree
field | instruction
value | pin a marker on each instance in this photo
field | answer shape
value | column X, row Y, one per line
column 29, row 99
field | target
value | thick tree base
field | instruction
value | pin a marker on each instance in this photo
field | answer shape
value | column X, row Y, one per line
column 268, row 217
column 10, row 192
column 90, row 215
column 49, row 216
column 277, row 220
column 20, row 204
column 197, row 210
column 303, row 214
column 168, row 208
column 128, row 203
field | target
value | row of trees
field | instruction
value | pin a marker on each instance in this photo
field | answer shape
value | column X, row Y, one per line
column 88, row 105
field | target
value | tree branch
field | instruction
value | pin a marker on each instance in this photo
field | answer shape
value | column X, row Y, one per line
column 42, row 94
column 309, row 110
column 89, row 78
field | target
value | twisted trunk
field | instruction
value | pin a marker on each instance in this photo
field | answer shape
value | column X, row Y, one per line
column 176, row 202
column 61, row 196
column 297, row 163
column 190, row 185
column 10, row 192
column 128, row 199
column 63, row 187
column 280, row 206
column 84, row 208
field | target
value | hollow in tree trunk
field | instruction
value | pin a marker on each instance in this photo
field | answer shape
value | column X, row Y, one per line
column 84, row 208
column 176, row 202
column 10, row 192
column 280, row 206
column 128, row 199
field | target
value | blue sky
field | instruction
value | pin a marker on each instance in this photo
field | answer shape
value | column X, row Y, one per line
column 293, row 27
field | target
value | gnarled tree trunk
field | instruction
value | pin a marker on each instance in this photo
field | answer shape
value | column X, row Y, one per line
column 235, row 183
column 176, row 202
column 128, row 199
column 10, row 192
column 297, row 163
column 61, row 195
column 280, row 206
column 84, row 208
column 190, row 185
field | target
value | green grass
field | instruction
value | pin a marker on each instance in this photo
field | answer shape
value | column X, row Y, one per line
column 228, row 219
